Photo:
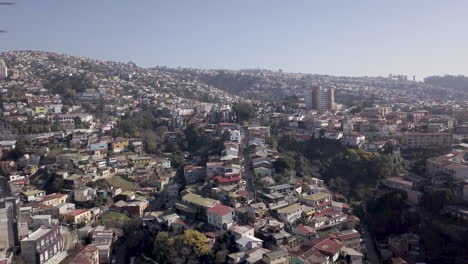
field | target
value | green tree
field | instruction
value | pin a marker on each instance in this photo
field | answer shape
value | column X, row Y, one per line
column 243, row 111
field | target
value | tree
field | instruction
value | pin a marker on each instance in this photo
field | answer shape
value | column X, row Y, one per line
column 19, row 150
column 161, row 247
column 243, row 111
column 284, row 163
column 189, row 246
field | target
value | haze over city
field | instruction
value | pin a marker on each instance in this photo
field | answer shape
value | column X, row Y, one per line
column 352, row 38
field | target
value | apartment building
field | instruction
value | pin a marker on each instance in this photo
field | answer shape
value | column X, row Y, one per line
column 426, row 140
column 45, row 245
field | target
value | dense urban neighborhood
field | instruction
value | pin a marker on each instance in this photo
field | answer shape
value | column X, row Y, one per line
column 108, row 162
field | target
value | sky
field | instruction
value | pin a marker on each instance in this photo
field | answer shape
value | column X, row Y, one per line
column 337, row 37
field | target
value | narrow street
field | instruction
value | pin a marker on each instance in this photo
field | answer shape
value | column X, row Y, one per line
column 372, row 256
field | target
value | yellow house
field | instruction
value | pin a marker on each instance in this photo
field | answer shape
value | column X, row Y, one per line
column 120, row 144
column 76, row 216
column 41, row 110
column 53, row 199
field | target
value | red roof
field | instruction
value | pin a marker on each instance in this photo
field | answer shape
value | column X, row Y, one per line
column 220, row 209
column 76, row 212
column 345, row 236
column 305, row 229
column 52, row 196
column 227, row 179
column 329, row 247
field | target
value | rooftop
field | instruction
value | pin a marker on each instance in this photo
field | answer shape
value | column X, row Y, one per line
column 277, row 254
column 317, row 196
column 199, row 200
column 220, row 209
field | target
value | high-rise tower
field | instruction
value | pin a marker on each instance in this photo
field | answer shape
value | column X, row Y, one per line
column 319, row 98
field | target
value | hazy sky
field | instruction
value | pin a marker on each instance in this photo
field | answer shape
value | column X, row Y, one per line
column 340, row 37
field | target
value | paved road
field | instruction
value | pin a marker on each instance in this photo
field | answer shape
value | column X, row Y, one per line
column 372, row 256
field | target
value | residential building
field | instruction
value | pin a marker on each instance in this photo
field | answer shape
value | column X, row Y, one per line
column 195, row 204
column 220, row 216
column 3, row 70
column 84, row 194
column 330, row 248
column 350, row 239
column 103, row 241
column 120, row 144
column 87, row 255
column 426, row 140
column 277, row 257
column 76, row 216
column 319, row 98
column 319, row 201
column 9, row 213
column 53, row 199
column 290, row 213
column 44, row 245
column 248, row 242
column 32, row 195
column 398, row 183
column 449, row 166
column 193, row 174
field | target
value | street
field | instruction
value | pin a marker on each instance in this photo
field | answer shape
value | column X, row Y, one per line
column 372, row 256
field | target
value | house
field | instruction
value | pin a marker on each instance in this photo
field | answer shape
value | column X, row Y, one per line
column 135, row 209
column 234, row 135
column 226, row 180
column 255, row 255
column 277, row 257
column 452, row 166
column 84, row 194
column 120, row 144
column 76, row 216
column 248, row 242
column 319, row 201
column 398, row 183
column 103, row 240
column 45, row 245
column 220, row 216
column 306, row 232
column 329, row 248
column 87, row 255
column 242, row 230
column 350, row 239
column 352, row 256
column 195, row 204
column 256, row 209
column 140, row 161
column 287, row 190
column 263, row 170
column 426, row 140
column 53, row 199
column 32, row 195
column 193, row 174
column 354, row 139
column 375, row 146
column 214, row 168
column 290, row 213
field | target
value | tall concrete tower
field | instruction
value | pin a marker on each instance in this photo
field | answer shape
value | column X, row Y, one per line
column 3, row 69
column 319, row 98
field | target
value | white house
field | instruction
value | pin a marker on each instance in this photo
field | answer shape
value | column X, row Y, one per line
column 290, row 214
column 84, row 194
column 220, row 216
column 234, row 135
column 246, row 243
